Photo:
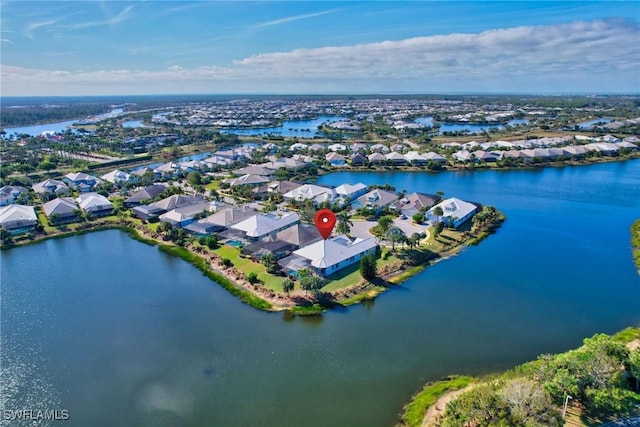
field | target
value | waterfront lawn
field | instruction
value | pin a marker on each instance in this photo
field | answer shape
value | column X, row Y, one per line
column 346, row 277
column 247, row 266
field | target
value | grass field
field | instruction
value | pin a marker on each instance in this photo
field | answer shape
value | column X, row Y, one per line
column 247, row 266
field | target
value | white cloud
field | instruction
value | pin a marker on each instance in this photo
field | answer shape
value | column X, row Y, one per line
column 596, row 56
column 5, row 41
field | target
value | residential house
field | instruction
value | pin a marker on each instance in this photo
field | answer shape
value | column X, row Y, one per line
column 169, row 170
column 336, row 159
column 146, row 193
column 299, row 235
column 275, row 187
column 434, row 157
column 412, row 203
column 326, row 257
column 396, row 159
column 251, row 180
column 146, row 170
column 358, row 159
column 381, row 148
column 269, row 245
column 376, row 158
column 18, row 219
column 454, row 212
column 337, row 147
column 307, row 192
column 350, row 191
column 253, row 170
column 415, row 158
column 61, row 210
column 50, row 187
column 153, row 210
column 81, row 181
column 377, row 199
column 463, row 156
column 118, row 177
column 262, row 225
column 220, row 220
column 94, row 204
column 185, row 215
column 9, row 194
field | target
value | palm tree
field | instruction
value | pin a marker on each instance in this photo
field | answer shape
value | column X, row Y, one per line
column 437, row 211
column 344, row 223
column 395, row 235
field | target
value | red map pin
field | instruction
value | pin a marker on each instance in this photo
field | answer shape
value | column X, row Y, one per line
column 325, row 220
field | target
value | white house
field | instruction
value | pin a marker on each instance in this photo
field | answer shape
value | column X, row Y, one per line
column 61, row 210
column 308, row 192
column 94, row 203
column 18, row 218
column 328, row 256
column 351, row 191
column 51, row 186
column 262, row 225
column 454, row 211
column 117, row 177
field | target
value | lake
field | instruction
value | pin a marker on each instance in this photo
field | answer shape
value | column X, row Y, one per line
column 57, row 127
column 300, row 128
column 121, row 334
column 471, row 128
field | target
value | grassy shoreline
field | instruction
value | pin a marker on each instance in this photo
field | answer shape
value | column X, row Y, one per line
column 635, row 243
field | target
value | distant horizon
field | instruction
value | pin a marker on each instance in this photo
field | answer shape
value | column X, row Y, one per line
column 124, row 48
column 338, row 94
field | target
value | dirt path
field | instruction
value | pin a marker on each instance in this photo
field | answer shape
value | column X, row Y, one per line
column 436, row 411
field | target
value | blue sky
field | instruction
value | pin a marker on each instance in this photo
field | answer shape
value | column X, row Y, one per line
column 123, row 47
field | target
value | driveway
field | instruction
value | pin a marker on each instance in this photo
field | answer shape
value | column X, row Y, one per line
column 409, row 227
column 361, row 228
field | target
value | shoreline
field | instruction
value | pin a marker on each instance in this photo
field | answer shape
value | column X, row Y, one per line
column 235, row 280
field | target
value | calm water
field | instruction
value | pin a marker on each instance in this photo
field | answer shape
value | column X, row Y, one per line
column 300, row 128
column 121, row 334
column 472, row 128
column 134, row 124
column 57, row 127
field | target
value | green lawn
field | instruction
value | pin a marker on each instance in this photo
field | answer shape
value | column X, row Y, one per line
column 213, row 185
column 346, row 277
column 247, row 266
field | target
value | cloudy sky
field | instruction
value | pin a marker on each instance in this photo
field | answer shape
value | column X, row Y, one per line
column 157, row 47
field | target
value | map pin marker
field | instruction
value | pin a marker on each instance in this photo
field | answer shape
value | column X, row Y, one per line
column 325, row 220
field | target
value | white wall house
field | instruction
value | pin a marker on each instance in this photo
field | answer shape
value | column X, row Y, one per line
column 326, row 257
column 455, row 211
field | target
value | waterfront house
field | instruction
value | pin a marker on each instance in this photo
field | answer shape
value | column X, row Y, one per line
column 220, row 220
column 144, row 171
column 376, row 158
column 463, row 156
column 299, row 235
column 415, row 158
column 434, row 157
column 454, row 212
column 81, row 181
column 51, row 186
column 326, row 257
column 350, row 191
column 94, row 204
column 411, row 204
column 61, row 210
column 358, row 159
column 269, row 245
column 18, row 219
column 377, row 199
column 308, row 192
column 185, row 215
column 9, row 194
column 156, row 209
column 396, row 159
column 169, row 170
column 262, row 225
column 337, row 147
column 336, row 159
column 146, row 193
